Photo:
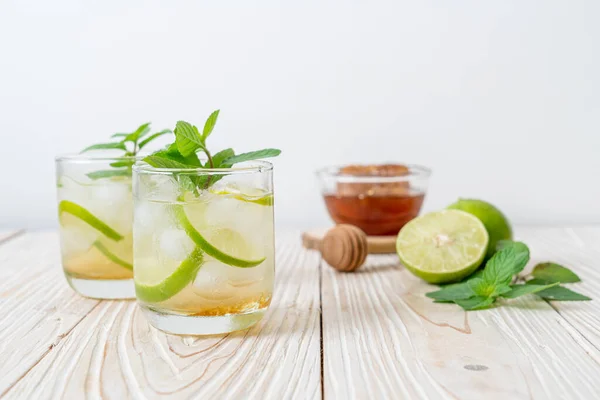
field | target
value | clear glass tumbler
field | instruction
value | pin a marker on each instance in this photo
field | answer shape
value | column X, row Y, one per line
column 95, row 211
column 204, row 250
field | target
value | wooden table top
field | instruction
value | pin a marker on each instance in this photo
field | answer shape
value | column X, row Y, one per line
column 365, row 335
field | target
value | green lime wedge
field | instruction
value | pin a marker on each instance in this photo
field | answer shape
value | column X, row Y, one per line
column 77, row 211
column 443, row 246
column 231, row 241
column 104, row 250
column 151, row 284
column 260, row 198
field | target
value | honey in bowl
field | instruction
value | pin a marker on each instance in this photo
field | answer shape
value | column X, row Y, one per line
column 379, row 199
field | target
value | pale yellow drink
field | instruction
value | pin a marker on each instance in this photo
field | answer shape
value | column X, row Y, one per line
column 204, row 260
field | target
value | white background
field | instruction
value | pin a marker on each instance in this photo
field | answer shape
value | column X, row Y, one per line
column 501, row 98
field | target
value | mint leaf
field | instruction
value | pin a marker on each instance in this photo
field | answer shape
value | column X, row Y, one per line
column 476, row 303
column 550, row 272
column 253, row 155
column 484, row 289
column 209, row 125
column 521, row 290
column 561, row 293
column 457, row 291
column 152, row 137
column 142, row 130
column 507, row 262
column 174, row 154
column 164, row 162
column 187, row 138
column 124, row 163
column 222, row 156
column 119, row 135
column 105, row 146
column 108, row 173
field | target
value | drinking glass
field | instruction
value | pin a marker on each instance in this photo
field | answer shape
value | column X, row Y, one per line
column 95, row 211
column 203, row 246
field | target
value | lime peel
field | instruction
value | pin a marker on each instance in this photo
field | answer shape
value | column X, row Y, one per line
column 174, row 283
column 112, row 257
column 266, row 200
column 206, row 246
column 83, row 214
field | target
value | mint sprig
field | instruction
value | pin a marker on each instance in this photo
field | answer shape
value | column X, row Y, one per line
column 483, row 288
column 131, row 144
column 183, row 153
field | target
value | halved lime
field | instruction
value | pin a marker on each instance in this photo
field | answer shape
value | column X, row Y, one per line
column 443, row 246
column 223, row 244
column 77, row 211
column 161, row 283
column 494, row 221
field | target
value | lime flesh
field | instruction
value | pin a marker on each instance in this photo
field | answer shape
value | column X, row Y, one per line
column 223, row 245
column 443, row 246
column 494, row 221
column 160, row 284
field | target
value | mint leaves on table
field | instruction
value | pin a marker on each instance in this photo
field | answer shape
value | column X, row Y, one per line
column 548, row 273
column 131, row 144
column 483, row 288
column 189, row 141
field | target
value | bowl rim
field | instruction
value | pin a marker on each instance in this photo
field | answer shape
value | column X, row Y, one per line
column 332, row 172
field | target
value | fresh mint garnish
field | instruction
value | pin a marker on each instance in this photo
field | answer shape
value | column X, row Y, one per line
column 561, row 293
column 482, row 289
column 456, row 291
column 551, row 272
column 507, row 262
column 128, row 142
column 520, row 290
column 183, row 153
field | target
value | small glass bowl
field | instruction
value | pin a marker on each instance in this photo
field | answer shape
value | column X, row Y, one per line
column 379, row 199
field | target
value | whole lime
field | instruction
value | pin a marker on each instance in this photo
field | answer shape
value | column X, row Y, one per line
column 494, row 221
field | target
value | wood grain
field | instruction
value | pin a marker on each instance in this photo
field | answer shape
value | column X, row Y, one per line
column 383, row 339
column 375, row 244
column 113, row 353
column 8, row 234
column 37, row 308
column 577, row 248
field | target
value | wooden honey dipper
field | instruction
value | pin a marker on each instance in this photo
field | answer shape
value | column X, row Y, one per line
column 344, row 247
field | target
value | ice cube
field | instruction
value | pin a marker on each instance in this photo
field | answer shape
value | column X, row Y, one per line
column 175, row 244
column 158, row 188
column 76, row 239
column 212, row 282
column 113, row 204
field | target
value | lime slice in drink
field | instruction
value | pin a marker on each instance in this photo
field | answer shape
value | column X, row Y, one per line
column 76, row 210
column 160, row 283
column 255, row 196
column 223, row 244
column 111, row 256
column 443, row 246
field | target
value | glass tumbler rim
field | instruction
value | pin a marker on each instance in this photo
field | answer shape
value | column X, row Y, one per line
column 79, row 158
column 246, row 167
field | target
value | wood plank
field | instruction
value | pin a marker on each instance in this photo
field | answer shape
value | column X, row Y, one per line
column 37, row 307
column 8, row 234
column 114, row 353
column 577, row 248
column 383, row 338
